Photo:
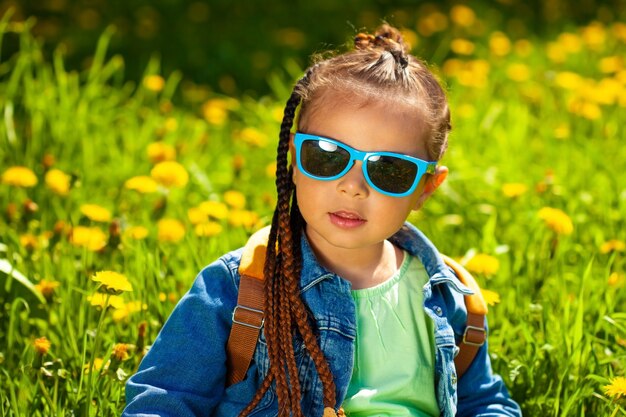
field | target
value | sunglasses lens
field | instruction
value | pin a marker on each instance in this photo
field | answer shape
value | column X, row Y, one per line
column 391, row 174
column 323, row 159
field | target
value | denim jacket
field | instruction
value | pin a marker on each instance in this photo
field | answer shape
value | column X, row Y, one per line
column 183, row 373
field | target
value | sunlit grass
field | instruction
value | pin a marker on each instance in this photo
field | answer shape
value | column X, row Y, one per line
column 100, row 174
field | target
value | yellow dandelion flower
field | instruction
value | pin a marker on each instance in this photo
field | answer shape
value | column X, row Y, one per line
column 29, row 241
column 120, row 351
column 214, row 209
column 518, row 72
column 243, row 218
column 523, row 47
column 19, row 176
column 410, row 38
column 462, row 15
column 136, row 232
column 253, row 137
column 42, row 345
column 616, row 279
column 142, row 184
column 196, row 215
column 556, row 220
column 594, row 36
column 555, row 53
column 112, row 282
column 98, row 365
column 462, row 46
column 611, row 64
column 235, row 199
column 568, row 80
column 91, row 238
column 170, row 230
column 170, row 174
column 160, row 151
column 432, row 23
column 95, row 212
column 98, row 300
column 613, row 245
column 499, row 44
column 570, row 43
column 562, row 131
column 47, row 287
column 270, row 169
column 513, row 190
column 483, row 264
column 127, row 309
column 491, row 297
column 154, row 83
column 208, row 229
column 215, row 111
column 616, row 387
column 170, row 125
column 58, row 181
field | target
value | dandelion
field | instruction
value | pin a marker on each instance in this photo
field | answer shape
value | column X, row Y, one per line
column 243, row 218
column 562, row 131
column 91, row 238
column 594, row 36
column 120, row 351
column 170, row 230
column 611, row 64
column 569, row 43
column 95, row 212
column 491, row 297
column 29, row 241
column 514, row 190
column 556, row 220
column 154, row 83
column 253, row 137
column 58, row 182
column 410, row 38
column 518, row 72
column 214, row 209
column 208, row 229
column 42, row 345
column 613, row 245
column 235, row 199
column 170, row 174
column 483, row 264
column 462, row 46
column 47, row 287
column 616, row 387
column 136, row 232
column 127, row 309
column 19, row 176
column 523, row 47
column 196, row 215
column 160, row 151
column 432, row 23
column 100, row 300
column 270, row 169
column 568, row 80
column 215, row 111
column 616, row 279
column 112, row 282
column 499, row 44
column 462, row 15
column 98, row 366
column 142, row 184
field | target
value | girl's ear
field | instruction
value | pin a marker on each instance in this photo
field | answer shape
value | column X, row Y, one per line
column 432, row 183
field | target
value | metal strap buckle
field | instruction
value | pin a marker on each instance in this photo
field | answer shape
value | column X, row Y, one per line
column 252, row 310
column 478, row 339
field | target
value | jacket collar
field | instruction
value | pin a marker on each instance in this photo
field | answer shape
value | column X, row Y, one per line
column 408, row 238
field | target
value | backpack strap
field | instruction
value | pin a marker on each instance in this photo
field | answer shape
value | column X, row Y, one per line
column 248, row 315
column 475, row 333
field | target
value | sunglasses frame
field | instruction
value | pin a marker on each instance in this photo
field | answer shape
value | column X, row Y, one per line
column 423, row 167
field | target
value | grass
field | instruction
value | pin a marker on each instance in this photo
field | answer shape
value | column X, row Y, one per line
column 526, row 116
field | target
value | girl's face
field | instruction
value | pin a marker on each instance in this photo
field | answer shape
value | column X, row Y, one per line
column 347, row 213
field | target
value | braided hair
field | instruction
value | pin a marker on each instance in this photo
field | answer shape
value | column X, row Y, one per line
column 378, row 69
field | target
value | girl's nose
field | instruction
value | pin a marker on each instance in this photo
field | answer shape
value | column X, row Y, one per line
column 353, row 183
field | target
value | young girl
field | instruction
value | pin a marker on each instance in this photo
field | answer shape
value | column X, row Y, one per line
column 361, row 312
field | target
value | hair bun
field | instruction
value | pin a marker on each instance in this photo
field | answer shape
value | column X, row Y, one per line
column 386, row 38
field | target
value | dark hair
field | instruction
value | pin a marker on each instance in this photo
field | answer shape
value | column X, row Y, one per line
column 379, row 69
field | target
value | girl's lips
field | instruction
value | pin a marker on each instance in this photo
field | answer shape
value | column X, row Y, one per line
column 346, row 219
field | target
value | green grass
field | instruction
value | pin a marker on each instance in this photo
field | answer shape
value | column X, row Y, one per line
column 557, row 335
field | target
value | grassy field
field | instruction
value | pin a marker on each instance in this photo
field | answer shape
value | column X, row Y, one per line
column 103, row 176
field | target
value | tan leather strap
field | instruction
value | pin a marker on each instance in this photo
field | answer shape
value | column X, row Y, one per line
column 248, row 318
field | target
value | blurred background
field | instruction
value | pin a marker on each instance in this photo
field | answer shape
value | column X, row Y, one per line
column 234, row 47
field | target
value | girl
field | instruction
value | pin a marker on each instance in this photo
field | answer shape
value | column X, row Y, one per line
column 360, row 310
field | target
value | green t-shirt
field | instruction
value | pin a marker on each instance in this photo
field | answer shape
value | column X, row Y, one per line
column 394, row 362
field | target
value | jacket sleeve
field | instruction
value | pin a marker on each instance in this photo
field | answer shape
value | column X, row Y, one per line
column 183, row 373
column 482, row 393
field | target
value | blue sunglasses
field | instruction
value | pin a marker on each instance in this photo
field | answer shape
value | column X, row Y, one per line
column 389, row 173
